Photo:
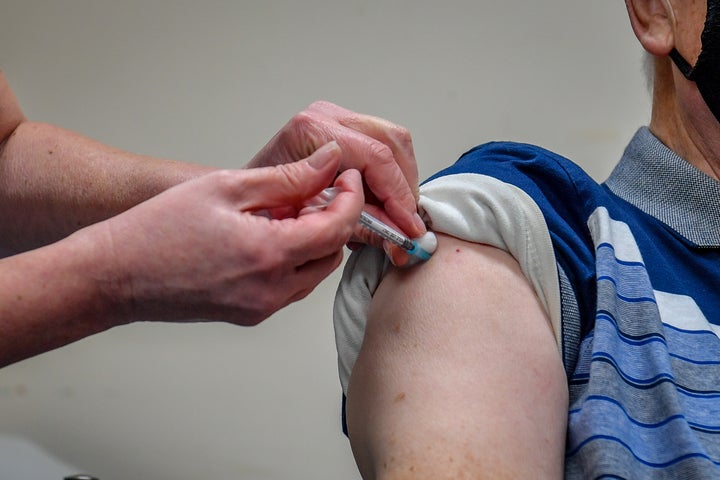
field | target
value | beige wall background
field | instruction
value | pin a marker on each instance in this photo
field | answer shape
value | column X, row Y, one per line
column 211, row 82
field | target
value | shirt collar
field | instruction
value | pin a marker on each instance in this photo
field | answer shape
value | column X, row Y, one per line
column 660, row 183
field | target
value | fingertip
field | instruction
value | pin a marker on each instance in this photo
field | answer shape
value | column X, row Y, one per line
column 325, row 156
column 350, row 178
column 420, row 225
column 406, row 217
column 350, row 181
column 397, row 255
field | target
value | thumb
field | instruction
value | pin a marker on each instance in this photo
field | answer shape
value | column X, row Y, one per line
column 290, row 183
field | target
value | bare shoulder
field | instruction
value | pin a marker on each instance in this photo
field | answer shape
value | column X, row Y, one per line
column 10, row 113
column 460, row 361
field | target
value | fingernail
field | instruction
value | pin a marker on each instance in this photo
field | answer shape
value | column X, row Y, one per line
column 419, row 223
column 323, row 155
column 397, row 255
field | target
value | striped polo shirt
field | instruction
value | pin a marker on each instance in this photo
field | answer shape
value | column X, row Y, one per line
column 628, row 272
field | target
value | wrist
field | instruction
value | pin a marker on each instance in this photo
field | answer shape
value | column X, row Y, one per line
column 50, row 297
column 103, row 291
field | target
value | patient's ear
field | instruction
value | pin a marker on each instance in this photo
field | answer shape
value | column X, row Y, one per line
column 653, row 22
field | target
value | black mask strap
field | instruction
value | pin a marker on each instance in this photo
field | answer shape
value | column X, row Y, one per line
column 706, row 72
column 710, row 41
column 682, row 64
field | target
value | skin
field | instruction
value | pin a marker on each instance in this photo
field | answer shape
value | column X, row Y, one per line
column 96, row 237
column 680, row 117
column 391, row 179
column 436, row 392
column 459, row 374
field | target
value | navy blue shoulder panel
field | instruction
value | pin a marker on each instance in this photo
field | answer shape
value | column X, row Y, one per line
column 565, row 194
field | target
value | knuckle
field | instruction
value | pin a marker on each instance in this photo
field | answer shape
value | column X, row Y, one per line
column 381, row 153
column 301, row 293
column 302, row 119
column 268, row 301
column 322, row 105
column 306, row 129
column 227, row 180
column 402, row 136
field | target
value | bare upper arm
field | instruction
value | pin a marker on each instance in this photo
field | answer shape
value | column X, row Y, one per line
column 459, row 373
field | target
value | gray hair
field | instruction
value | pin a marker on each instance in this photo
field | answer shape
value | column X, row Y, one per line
column 648, row 68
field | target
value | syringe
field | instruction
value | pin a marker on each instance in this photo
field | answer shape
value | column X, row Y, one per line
column 391, row 235
column 384, row 231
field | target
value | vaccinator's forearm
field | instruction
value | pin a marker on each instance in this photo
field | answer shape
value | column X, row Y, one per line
column 56, row 295
column 53, row 181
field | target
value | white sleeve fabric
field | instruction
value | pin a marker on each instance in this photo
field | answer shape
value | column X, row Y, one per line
column 473, row 207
